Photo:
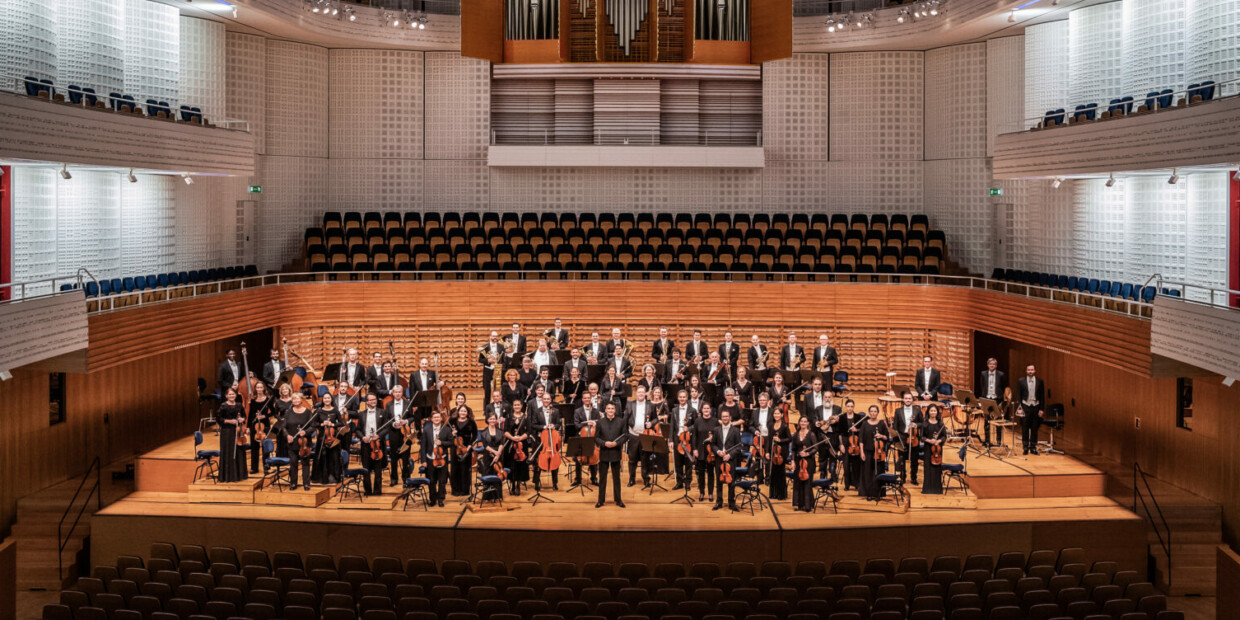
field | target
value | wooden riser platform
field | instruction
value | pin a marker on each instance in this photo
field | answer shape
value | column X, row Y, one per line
column 316, row 496
column 208, row 492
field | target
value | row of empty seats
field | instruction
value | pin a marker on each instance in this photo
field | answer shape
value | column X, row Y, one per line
column 193, row 583
column 1123, row 106
column 153, row 282
column 1081, row 284
column 117, row 102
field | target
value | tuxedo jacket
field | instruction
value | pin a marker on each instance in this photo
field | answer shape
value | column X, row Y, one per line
column 428, row 440
column 832, row 358
column 415, row 382
column 561, row 337
column 1038, row 389
column 902, row 424
column 354, row 373
column 497, row 349
column 226, row 377
column 732, row 355
column 600, row 352
column 920, row 385
column 789, row 353
column 983, row 379
column 662, row 348
column 520, row 342
column 755, row 353
column 542, row 418
column 383, row 385
column 581, row 365
column 271, row 372
column 700, row 350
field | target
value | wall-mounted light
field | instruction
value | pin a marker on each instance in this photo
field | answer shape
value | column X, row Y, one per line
column 1174, row 178
column 1111, row 181
column 1057, row 182
column 188, row 179
column 131, row 177
column 64, row 172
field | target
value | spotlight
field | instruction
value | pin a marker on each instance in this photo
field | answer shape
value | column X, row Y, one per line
column 234, row 11
column 1012, row 17
column 131, row 177
column 188, row 179
column 1112, row 180
column 1056, row 183
column 1174, row 178
column 64, row 172
column 830, row 24
column 902, row 16
column 348, row 10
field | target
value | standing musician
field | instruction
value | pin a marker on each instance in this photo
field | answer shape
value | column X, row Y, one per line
column 695, row 397
column 622, row 365
column 230, row 418
column 873, row 460
column 497, row 408
column 465, row 431
column 616, row 344
column 421, row 380
column 528, row 373
column 295, row 426
column 756, row 352
column 990, row 384
column 802, row 450
column 544, row 380
column 674, row 370
column 825, row 357
column 682, row 417
column 512, row 388
column 660, row 465
column 744, row 388
column 717, row 377
column 328, row 467
column 345, row 402
column 639, row 416
column 374, row 371
column 229, row 374
column 436, row 436
column 596, row 352
column 649, row 380
column 542, row 416
column 610, row 439
column 730, row 353
column 907, row 415
column 458, row 401
column 272, row 369
column 283, row 403
column 761, row 423
column 351, row 370
column 662, row 348
column 400, row 411
column 544, row 357
column 369, row 424
column 574, row 388
column 535, row 399
column 792, row 356
column 588, row 414
column 926, row 380
column 934, row 433
column 697, row 350
column 558, row 335
column 262, row 405
column 777, row 485
column 575, row 361
column 725, row 440
column 490, row 356
column 385, row 382
column 778, row 393
column 518, row 432
column 492, row 440
column 518, row 341
column 1032, row 390
column 847, row 428
column 733, row 407
column 705, row 431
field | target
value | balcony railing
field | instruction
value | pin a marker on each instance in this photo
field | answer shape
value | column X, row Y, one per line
column 89, row 100
column 548, row 137
column 1134, row 104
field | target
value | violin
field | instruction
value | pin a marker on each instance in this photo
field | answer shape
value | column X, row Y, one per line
column 549, row 457
column 756, row 450
column 777, row 453
column 854, row 444
column 936, row 451
column 439, row 456
column 518, row 451
column 337, row 433
column 499, row 471
column 684, row 442
column 914, row 436
column 803, row 469
column 710, row 454
column 303, row 447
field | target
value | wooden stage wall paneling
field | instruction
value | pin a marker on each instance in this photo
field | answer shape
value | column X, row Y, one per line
column 1102, row 403
column 1228, row 579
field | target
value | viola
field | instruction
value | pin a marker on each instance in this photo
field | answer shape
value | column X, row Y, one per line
column 725, row 472
column 914, row 436
column 304, row 446
column 338, row 433
column 756, row 450
column 549, row 457
column 777, row 452
column 518, row 451
column 854, row 445
column 880, row 447
column 407, row 432
column 376, row 448
column 499, row 471
column 936, row 454
column 803, row 469
column 439, row 457
column 329, row 435
column 710, row 454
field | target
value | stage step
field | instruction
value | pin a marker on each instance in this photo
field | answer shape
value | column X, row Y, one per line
column 208, row 492
column 313, row 498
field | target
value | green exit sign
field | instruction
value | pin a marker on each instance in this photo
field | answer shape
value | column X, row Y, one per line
column 994, row 191
column 258, row 189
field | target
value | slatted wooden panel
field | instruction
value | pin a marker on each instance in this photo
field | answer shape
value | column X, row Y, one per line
column 574, row 111
column 626, row 110
column 523, row 111
column 671, row 31
column 678, row 113
column 583, row 27
column 731, row 111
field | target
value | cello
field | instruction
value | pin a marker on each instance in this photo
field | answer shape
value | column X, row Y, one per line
column 549, row 457
column 445, row 393
column 297, row 382
column 589, row 431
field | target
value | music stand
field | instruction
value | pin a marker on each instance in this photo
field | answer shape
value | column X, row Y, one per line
column 580, row 448
column 660, row 368
column 670, row 390
column 652, row 444
column 537, row 496
column 792, row 378
column 425, row 399
column 991, row 409
column 331, row 370
column 562, row 356
column 595, row 372
column 758, row 376
column 808, row 376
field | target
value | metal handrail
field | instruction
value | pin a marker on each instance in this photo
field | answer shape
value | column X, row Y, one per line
column 1130, row 308
column 1136, row 101
column 1139, row 474
column 231, row 124
column 1210, row 291
column 95, row 490
column 19, row 288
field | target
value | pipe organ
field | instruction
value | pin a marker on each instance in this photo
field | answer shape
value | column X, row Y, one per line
column 532, row 19
column 626, row 18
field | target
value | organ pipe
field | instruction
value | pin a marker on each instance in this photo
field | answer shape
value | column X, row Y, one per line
column 721, row 20
column 532, row 19
column 626, row 17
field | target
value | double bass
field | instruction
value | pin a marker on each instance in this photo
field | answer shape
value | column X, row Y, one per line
column 445, row 393
column 243, row 428
column 297, row 382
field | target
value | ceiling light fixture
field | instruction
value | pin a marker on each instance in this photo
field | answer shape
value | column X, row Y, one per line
column 1111, row 181
column 1012, row 17
column 1057, row 182
column 131, row 177
column 188, row 179
column 64, row 172
column 1175, row 177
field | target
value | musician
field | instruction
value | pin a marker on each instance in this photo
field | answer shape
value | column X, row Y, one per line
column 371, row 423
column 492, row 440
column 298, row 424
column 934, row 434
column 777, row 486
column 344, row 400
column 778, row 392
column 705, row 430
column 697, row 350
column 756, row 352
column 761, row 423
column 518, row 341
column 621, row 364
column 283, row 403
column 639, row 416
column 596, row 352
column 648, row 380
column 818, row 406
column 374, row 371
column 674, row 370
column 262, row 409
column 558, row 335
column 575, row 361
column 717, row 377
column 272, row 369
column 401, row 412
column 847, row 428
column 436, row 436
column 661, row 464
column 588, row 414
column 351, row 370
column 744, row 388
column 536, row 396
column 229, row 374
column 907, row 416
column 512, row 388
column 724, row 445
column 423, row 380
column 1031, row 412
column 229, row 418
column 793, row 355
column 328, row 468
column 498, row 408
column 489, row 357
column 528, row 373
column 681, row 417
column 662, row 348
column 458, row 401
column 926, row 381
column 825, row 357
column 733, row 407
column 730, row 353
column 518, row 432
column 384, row 383
column 616, row 344
column 543, row 357
column 610, row 438
column 802, row 449
column 545, row 415
column 873, row 460
column 574, row 388
column 614, row 388
column 695, row 397
column 544, row 380
column 990, row 384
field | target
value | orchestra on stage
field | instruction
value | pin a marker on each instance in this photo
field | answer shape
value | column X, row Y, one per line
column 691, row 416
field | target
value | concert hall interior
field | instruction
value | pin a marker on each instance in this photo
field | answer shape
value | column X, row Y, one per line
column 619, row 309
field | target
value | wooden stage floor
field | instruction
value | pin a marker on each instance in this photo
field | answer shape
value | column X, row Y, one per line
column 1047, row 501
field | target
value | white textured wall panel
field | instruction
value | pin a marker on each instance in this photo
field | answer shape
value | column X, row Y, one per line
column 246, row 80
column 1212, row 50
column 632, row 189
column 456, row 184
column 795, row 107
column 1046, row 69
column 876, row 106
column 88, row 224
column 295, row 195
column 152, row 51
column 202, row 66
column 376, row 104
column 297, row 110
column 1098, row 235
column 875, row 187
column 1005, row 87
column 956, row 102
column 798, row 185
column 376, row 184
column 1156, row 232
column 1207, row 231
column 34, row 224
column 957, row 201
column 458, row 100
column 90, row 44
column 28, row 47
column 1095, row 46
column 1153, row 47
column 206, row 222
column 148, row 224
